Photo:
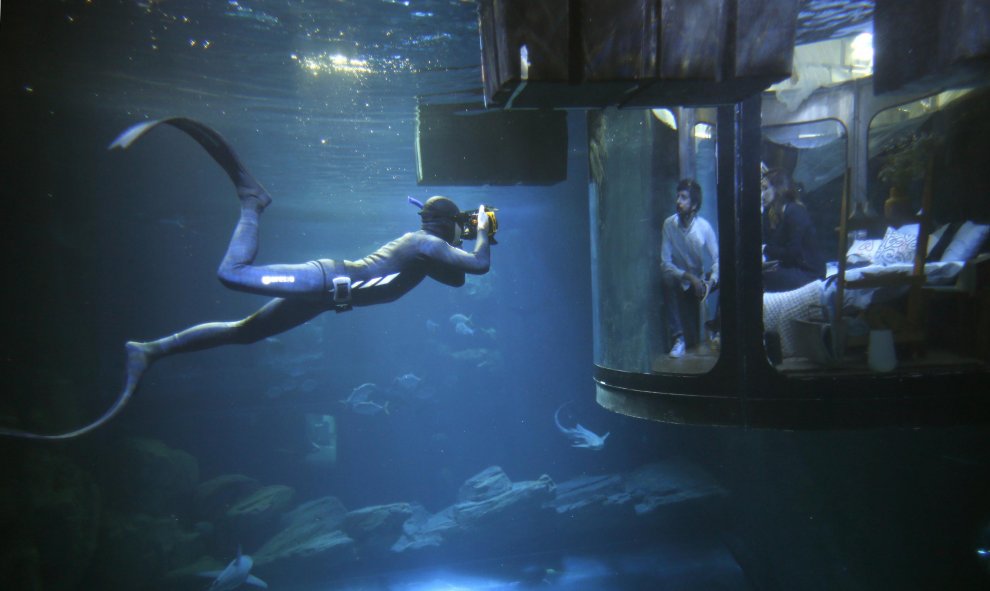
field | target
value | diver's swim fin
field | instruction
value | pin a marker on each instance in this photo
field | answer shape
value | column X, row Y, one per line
column 214, row 144
column 118, row 406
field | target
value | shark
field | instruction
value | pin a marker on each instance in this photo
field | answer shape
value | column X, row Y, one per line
column 237, row 573
column 579, row 435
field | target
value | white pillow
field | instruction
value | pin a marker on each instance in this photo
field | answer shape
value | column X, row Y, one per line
column 898, row 246
column 863, row 251
column 935, row 236
column 967, row 242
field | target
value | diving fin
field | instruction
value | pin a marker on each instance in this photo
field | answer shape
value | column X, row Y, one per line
column 214, row 144
column 118, row 406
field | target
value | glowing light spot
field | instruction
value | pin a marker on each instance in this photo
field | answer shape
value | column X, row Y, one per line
column 861, row 55
column 337, row 63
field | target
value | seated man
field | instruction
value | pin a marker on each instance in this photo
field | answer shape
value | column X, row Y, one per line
column 686, row 237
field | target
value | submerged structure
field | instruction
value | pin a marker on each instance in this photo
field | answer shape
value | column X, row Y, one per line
column 877, row 112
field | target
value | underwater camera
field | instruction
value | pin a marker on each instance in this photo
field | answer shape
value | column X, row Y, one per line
column 469, row 221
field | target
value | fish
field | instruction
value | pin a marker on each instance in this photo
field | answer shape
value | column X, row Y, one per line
column 456, row 319
column 360, row 400
column 361, row 393
column 579, row 435
column 368, row 407
column 237, row 573
column 408, row 381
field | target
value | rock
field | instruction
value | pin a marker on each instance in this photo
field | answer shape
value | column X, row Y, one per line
column 669, row 483
column 573, row 495
column 329, row 511
column 636, row 499
column 215, row 497
column 260, row 508
column 311, row 543
column 378, row 527
column 158, row 544
column 520, row 499
column 486, row 484
column 253, row 519
column 154, row 478
column 425, row 530
column 495, row 520
column 51, row 510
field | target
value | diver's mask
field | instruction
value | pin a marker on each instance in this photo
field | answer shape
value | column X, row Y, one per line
column 465, row 222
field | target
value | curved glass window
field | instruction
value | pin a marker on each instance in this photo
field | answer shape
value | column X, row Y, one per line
column 804, row 174
column 654, row 240
column 918, row 265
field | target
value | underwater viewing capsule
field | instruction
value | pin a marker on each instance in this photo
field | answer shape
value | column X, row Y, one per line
column 883, row 207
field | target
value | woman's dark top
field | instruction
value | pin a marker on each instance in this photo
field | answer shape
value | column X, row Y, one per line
column 794, row 244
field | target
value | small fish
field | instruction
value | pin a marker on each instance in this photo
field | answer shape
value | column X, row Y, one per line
column 237, row 573
column 460, row 319
column 368, row 407
column 361, row 393
column 463, row 329
column 408, row 381
column 360, row 400
column 580, row 436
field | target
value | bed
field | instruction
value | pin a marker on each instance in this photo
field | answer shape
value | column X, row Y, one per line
column 880, row 273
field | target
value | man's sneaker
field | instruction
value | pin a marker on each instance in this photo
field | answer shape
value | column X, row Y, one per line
column 678, row 349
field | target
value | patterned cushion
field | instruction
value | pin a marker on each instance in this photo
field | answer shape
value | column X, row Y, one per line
column 898, row 246
column 863, row 251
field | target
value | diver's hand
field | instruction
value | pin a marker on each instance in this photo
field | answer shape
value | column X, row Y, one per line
column 482, row 221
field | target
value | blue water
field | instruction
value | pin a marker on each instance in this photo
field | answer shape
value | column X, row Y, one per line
column 104, row 247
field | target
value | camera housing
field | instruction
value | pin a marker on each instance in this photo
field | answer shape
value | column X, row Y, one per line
column 469, row 223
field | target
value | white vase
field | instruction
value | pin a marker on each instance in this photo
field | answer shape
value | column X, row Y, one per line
column 880, row 353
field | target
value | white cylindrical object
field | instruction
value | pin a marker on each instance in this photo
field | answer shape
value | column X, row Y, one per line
column 880, row 354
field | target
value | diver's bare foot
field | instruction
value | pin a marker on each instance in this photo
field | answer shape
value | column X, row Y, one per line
column 138, row 359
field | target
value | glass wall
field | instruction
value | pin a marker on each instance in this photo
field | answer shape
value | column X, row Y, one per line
column 928, row 204
column 654, row 240
column 803, row 178
column 904, row 275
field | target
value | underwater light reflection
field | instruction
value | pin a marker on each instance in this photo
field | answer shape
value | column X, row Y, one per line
column 327, row 64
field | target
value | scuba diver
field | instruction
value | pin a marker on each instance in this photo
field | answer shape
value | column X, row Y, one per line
column 305, row 290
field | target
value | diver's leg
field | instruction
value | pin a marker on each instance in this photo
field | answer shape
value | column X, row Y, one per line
column 283, row 280
column 275, row 317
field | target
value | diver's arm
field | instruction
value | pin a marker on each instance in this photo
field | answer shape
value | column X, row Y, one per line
column 477, row 262
column 440, row 252
column 447, row 275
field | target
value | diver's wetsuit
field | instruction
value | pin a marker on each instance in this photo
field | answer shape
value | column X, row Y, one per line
column 301, row 291
column 304, row 290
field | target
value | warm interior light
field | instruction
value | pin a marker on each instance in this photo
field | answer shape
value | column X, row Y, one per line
column 861, row 54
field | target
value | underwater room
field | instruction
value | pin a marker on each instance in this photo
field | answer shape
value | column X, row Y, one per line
column 422, row 295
